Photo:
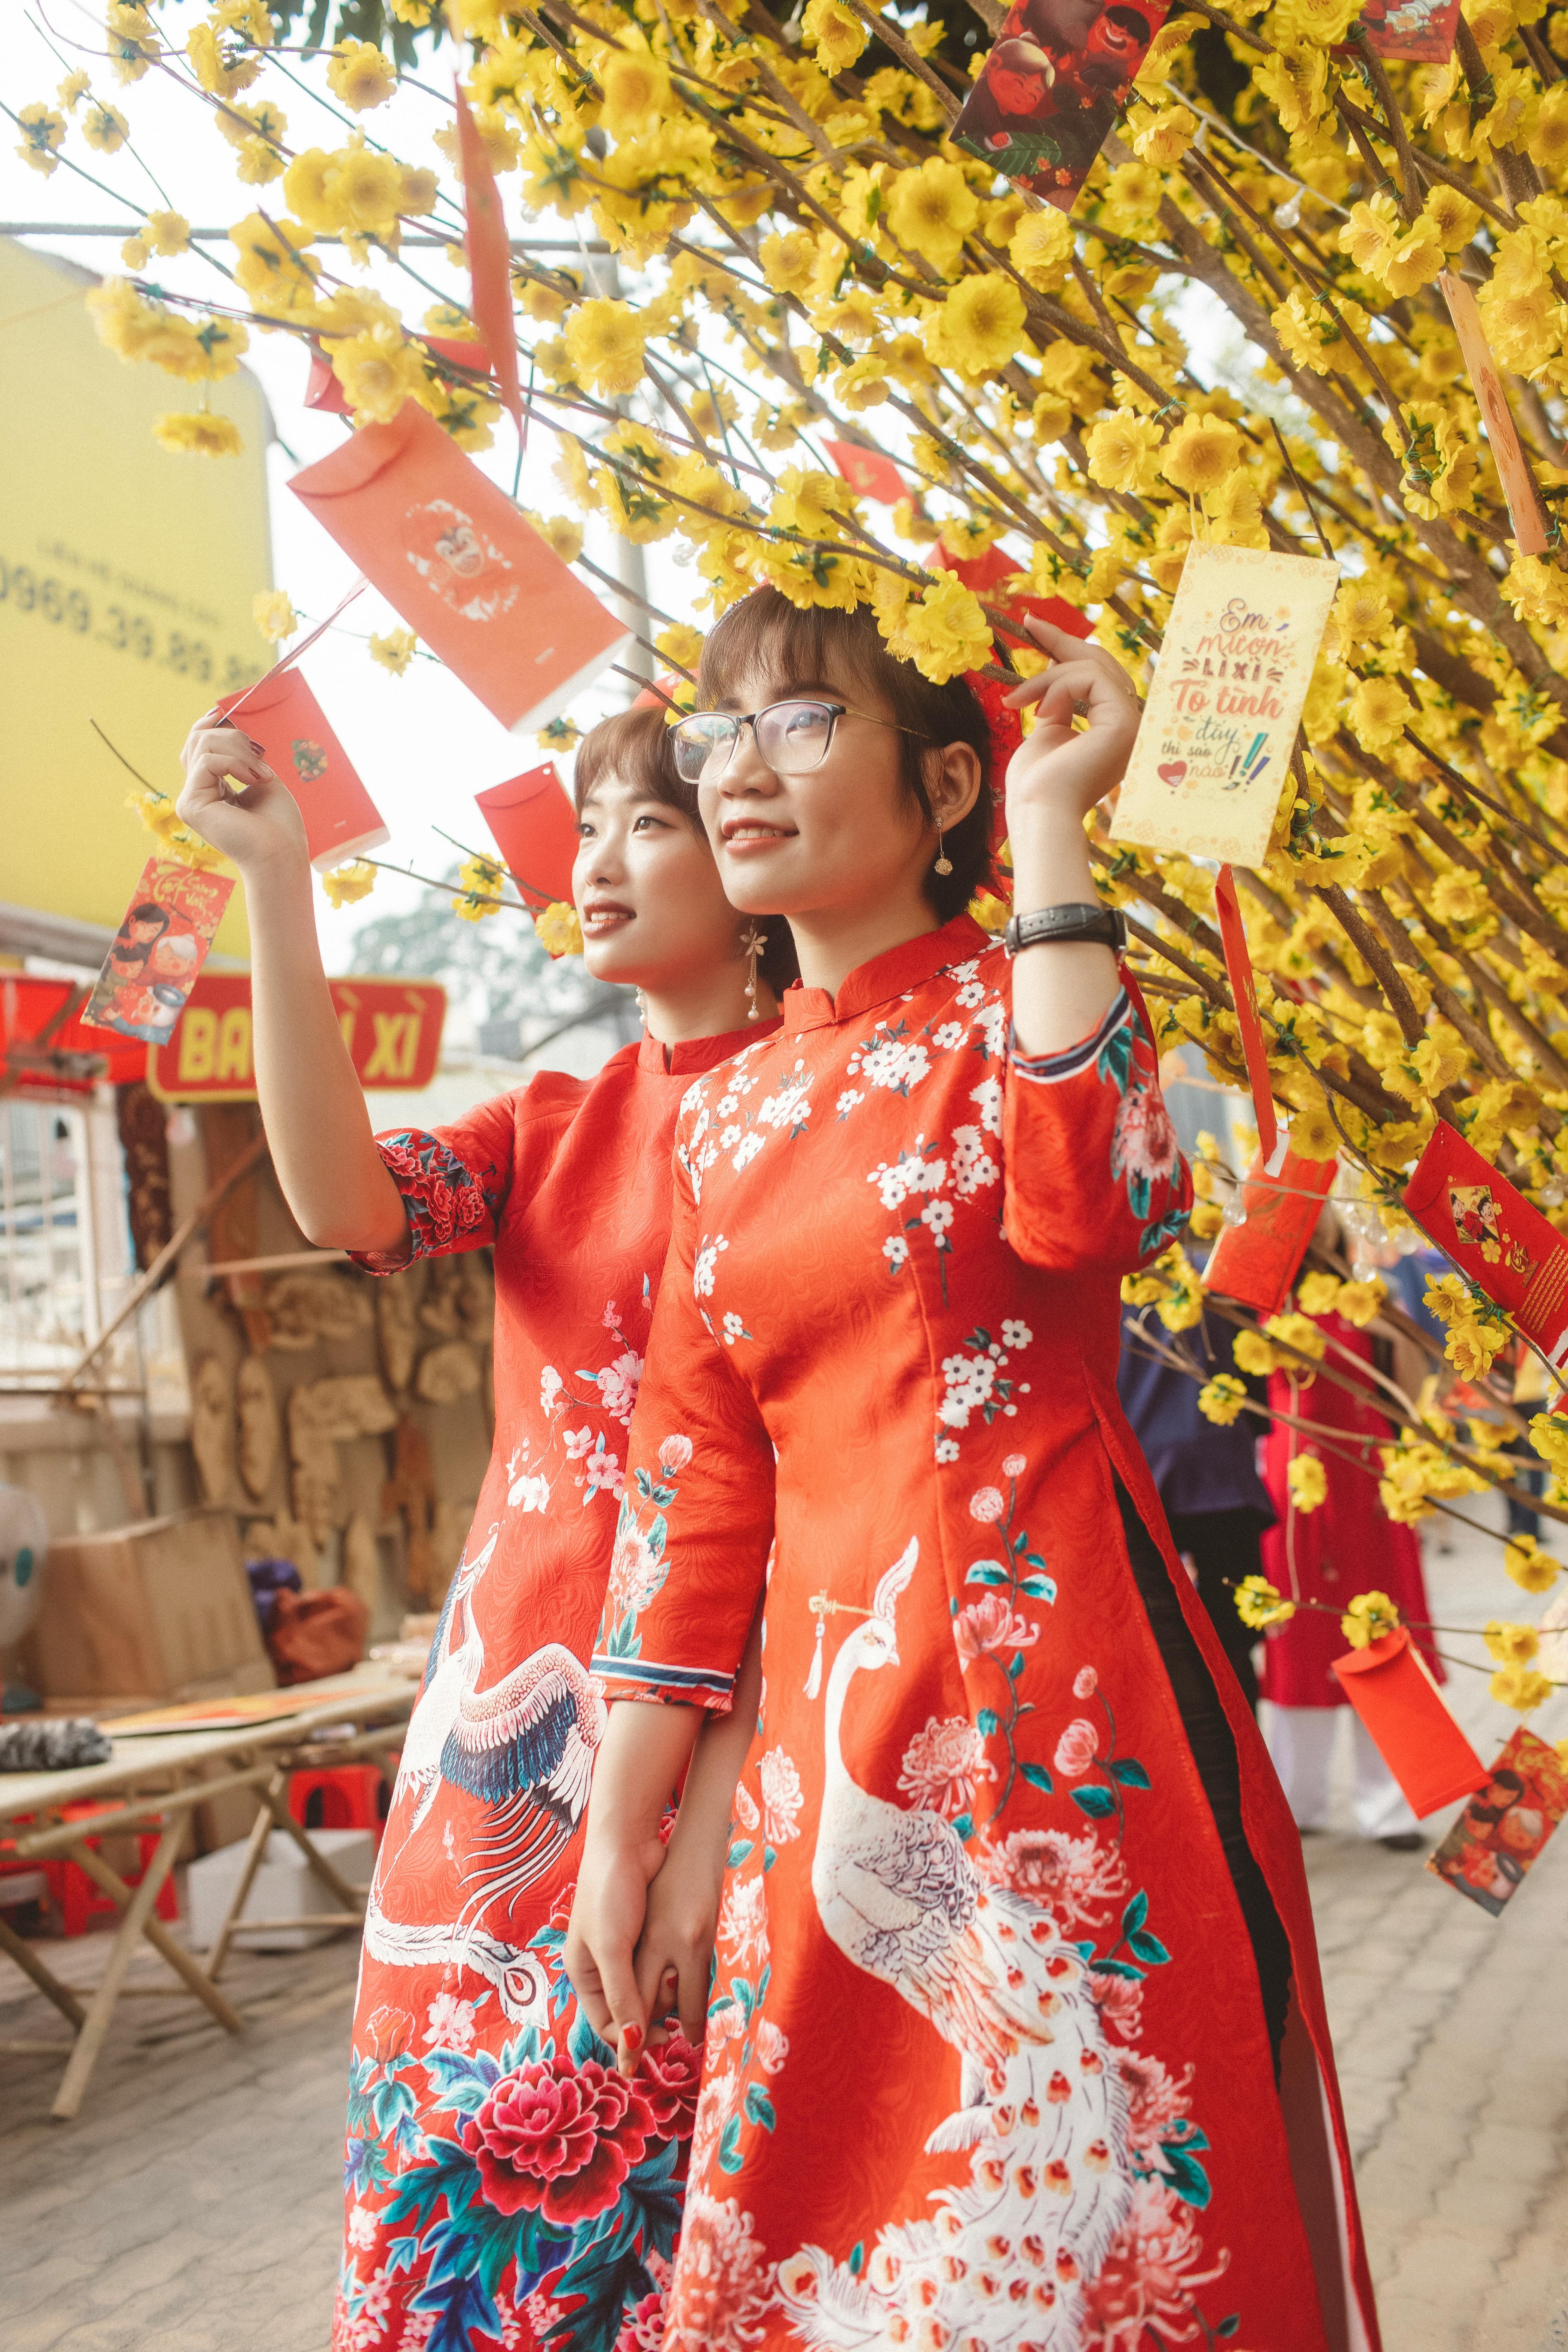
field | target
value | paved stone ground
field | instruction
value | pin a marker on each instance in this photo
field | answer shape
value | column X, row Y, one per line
column 194, row 2206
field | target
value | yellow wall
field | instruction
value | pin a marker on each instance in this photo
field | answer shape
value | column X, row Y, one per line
column 124, row 574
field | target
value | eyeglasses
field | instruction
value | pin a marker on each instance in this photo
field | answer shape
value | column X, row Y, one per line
column 792, row 738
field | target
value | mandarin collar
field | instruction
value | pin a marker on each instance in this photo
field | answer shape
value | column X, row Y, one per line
column 695, row 1055
column 893, row 973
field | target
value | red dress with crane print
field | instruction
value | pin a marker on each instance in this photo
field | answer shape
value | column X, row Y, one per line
column 988, row 2063
column 506, row 2186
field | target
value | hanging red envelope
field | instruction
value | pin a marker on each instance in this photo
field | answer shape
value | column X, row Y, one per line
column 1257, row 1261
column 1508, row 1820
column 1051, row 89
column 1419, row 32
column 868, row 474
column 457, row 561
column 532, row 825
column 158, row 950
column 284, row 717
column 1493, row 1235
column 1391, row 1688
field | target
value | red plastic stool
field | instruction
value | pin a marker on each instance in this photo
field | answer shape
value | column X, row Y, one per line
column 79, row 1900
column 340, row 1797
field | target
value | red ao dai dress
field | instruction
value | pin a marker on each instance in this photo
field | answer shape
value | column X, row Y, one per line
column 507, row 2188
column 988, row 2059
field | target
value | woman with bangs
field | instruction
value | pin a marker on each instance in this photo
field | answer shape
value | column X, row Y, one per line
column 506, row 2184
column 1016, row 2040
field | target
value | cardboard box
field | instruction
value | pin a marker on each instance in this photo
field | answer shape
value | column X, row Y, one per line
column 161, row 1609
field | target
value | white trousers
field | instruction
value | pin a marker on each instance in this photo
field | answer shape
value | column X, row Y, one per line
column 1301, row 1739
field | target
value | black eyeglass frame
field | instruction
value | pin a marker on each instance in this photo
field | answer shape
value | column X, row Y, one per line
column 834, row 710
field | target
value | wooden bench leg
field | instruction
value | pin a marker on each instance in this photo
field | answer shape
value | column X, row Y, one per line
column 260, row 1831
column 350, row 1898
column 184, row 1964
column 95, row 2025
column 27, row 1960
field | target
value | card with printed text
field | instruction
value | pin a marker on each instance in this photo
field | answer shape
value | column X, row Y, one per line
column 158, row 950
column 1214, row 751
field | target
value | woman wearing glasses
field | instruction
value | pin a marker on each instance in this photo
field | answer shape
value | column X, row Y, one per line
column 494, row 2155
column 1005, row 2020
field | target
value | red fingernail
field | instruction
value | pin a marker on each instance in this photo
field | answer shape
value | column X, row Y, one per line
column 632, row 2036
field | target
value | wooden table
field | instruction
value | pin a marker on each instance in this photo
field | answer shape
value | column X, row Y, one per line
column 153, row 1782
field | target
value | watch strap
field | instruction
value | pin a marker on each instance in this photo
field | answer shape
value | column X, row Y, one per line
column 1104, row 926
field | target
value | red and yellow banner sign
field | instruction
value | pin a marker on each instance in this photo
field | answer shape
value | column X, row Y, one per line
column 391, row 1027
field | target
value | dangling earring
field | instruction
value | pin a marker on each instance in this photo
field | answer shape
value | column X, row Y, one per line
column 943, row 861
column 752, row 947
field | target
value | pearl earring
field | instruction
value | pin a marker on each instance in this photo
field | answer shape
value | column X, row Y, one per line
column 642, row 1006
column 943, row 861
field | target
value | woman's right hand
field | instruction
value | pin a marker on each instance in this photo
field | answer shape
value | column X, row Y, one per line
column 260, row 826
column 608, row 1909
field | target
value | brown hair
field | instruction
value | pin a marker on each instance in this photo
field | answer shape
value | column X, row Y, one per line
column 765, row 632
column 635, row 745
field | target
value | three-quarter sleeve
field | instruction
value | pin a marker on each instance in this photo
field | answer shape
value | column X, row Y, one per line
column 1094, row 1177
column 696, row 1513
column 454, row 1181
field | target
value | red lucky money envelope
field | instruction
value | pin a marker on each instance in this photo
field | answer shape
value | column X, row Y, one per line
column 1420, row 32
column 284, row 717
column 158, row 950
column 1052, row 89
column 1506, row 1824
column 457, row 561
column 532, row 825
column 1391, row 1688
column 1257, row 1261
column 1494, row 1236
column 868, row 474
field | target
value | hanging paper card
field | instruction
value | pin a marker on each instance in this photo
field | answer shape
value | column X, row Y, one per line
column 1052, row 88
column 1391, row 1688
column 455, row 560
column 1257, row 1261
column 284, row 717
column 158, row 950
column 1508, row 1820
column 1421, row 32
column 489, row 259
column 532, row 825
column 1219, row 726
column 1493, row 1235
column 868, row 474
column 1513, row 466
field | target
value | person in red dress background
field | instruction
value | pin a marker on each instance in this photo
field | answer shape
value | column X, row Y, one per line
column 506, row 2185
column 1016, row 2037
column 1348, row 1545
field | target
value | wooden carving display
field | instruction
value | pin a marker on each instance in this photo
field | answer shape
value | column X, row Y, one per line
column 212, row 1428
column 410, row 1493
column 447, row 1373
column 476, row 1296
column 439, row 1309
column 361, row 1563
column 260, row 1430
column 305, row 1308
column 396, row 1329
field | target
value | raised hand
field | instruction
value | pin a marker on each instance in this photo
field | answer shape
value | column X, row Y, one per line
column 257, row 826
column 1057, row 770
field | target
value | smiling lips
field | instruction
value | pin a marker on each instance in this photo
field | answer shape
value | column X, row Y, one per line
column 602, row 916
column 742, row 833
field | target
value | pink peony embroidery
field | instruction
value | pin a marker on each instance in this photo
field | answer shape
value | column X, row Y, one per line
column 1076, row 1748
column 1085, row 1683
column 674, row 1455
column 1154, row 2100
column 1146, row 2280
column 985, row 1505
column 992, row 1623
column 942, row 1765
column 1071, row 1876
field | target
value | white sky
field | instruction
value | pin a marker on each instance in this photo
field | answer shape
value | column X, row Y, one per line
column 422, row 743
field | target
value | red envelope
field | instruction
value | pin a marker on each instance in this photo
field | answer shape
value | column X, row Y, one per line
column 997, row 579
column 1391, row 1688
column 457, row 561
column 1421, row 32
column 1051, row 91
column 868, row 474
column 1493, row 1235
column 532, row 825
column 158, row 950
column 1503, row 1828
column 284, row 717
column 1257, row 1261
column 322, row 389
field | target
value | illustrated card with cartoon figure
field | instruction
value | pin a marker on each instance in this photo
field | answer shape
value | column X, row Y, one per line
column 1053, row 87
column 1505, row 1824
column 1213, row 754
column 1494, row 1236
column 158, row 950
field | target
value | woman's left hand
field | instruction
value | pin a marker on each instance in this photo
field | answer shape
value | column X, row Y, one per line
column 1057, row 770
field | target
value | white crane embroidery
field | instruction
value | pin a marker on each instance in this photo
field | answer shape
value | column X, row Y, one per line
column 524, row 1747
column 1001, row 2265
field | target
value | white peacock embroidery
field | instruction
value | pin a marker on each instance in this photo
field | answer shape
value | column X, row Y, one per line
column 1004, row 2258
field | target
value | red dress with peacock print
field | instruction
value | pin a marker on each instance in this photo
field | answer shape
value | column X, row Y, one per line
column 987, row 2059
column 506, row 2186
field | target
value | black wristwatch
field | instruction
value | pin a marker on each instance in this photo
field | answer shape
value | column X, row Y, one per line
column 1104, row 925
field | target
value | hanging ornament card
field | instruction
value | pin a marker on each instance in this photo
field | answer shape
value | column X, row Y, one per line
column 1213, row 750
